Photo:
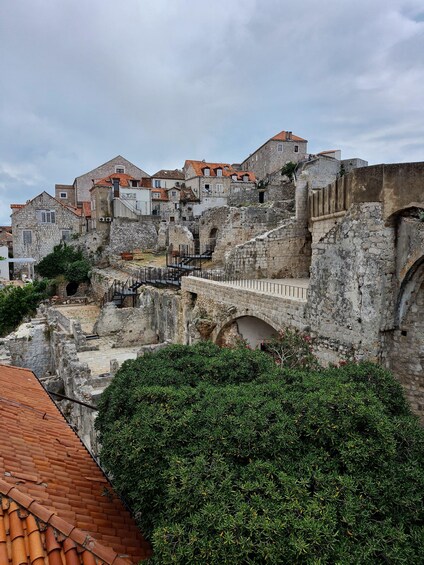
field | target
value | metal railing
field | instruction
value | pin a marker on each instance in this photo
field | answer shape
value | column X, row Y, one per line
column 295, row 292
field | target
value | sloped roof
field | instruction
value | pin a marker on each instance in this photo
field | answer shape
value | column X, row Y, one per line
column 175, row 174
column 124, row 180
column 86, row 209
column 162, row 191
column 287, row 136
column 68, row 207
column 118, row 160
column 227, row 170
column 46, row 470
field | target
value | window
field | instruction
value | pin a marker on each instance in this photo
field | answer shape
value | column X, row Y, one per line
column 280, row 147
column 156, row 195
column 207, row 172
column 157, row 183
column 245, row 178
column 66, row 235
column 207, row 187
column 219, row 187
column 177, row 183
column 27, row 237
column 174, row 193
column 234, row 177
column 172, row 219
column 134, row 183
column 46, row 216
column 63, row 195
column 296, row 149
column 176, row 206
column 219, row 172
column 119, row 169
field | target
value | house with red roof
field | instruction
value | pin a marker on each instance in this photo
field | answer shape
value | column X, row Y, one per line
column 56, row 504
column 42, row 223
column 212, row 183
column 282, row 148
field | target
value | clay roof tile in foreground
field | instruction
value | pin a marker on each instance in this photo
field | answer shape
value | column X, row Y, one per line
column 48, row 474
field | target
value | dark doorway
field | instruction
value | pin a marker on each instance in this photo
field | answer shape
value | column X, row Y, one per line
column 71, row 288
column 261, row 197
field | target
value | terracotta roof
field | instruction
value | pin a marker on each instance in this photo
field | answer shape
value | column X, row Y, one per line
column 108, row 181
column 227, row 170
column 17, row 206
column 54, row 477
column 176, row 174
column 282, row 136
column 187, row 195
column 162, row 191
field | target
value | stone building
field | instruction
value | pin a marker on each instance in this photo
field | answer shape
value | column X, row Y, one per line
column 167, row 179
column 283, row 148
column 42, row 223
column 79, row 190
column 212, row 183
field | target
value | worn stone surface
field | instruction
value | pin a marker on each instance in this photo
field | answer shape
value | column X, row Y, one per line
column 127, row 235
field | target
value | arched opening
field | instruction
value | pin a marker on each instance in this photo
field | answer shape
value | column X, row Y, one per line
column 71, row 288
column 406, row 349
column 213, row 234
column 249, row 329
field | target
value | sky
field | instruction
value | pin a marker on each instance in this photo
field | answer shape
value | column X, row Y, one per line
column 162, row 81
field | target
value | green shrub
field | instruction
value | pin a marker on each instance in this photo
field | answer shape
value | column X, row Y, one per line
column 78, row 271
column 58, row 261
column 17, row 302
column 228, row 459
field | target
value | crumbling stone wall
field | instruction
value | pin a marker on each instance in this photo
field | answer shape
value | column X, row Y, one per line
column 283, row 252
column 129, row 326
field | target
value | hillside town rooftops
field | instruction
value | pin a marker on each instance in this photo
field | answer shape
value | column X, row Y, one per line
column 159, row 194
column 55, row 498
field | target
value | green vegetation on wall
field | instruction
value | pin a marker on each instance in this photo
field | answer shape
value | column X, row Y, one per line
column 226, row 458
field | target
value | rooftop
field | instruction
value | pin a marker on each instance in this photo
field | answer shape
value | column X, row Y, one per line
column 46, row 470
column 175, row 174
column 227, row 170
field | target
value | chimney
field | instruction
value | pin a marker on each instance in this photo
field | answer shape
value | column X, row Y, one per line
column 288, row 135
column 115, row 188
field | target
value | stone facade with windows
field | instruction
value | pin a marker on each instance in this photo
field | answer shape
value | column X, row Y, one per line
column 79, row 191
column 40, row 224
column 283, row 148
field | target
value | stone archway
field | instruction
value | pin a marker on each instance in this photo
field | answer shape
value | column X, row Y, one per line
column 71, row 288
column 406, row 350
column 250, row 329
column 213, row 234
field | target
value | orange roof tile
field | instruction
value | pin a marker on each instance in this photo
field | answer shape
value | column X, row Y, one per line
column 17, row 206
column 163, row 194
column 46, row 470
column 282, row 136
column 123, row 179
column 227, row 169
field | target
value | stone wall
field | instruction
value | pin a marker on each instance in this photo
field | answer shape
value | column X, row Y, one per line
column 236, row 225
column 129, row 326
column 267, row 159
column 351, row 286
column 319, row 227
column 283, row 252
column 127, row 235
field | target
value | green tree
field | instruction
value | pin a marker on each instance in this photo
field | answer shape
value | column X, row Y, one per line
column 226, row 458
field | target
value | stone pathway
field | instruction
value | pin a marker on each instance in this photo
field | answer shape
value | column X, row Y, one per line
column 99, row 361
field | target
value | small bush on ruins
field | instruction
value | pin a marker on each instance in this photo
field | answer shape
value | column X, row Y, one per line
column 64, row 260
column 289, row 169
column 227, row 458
column 17, row 302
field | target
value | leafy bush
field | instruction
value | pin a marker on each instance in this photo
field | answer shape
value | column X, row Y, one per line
column 291, row 349
column 64, row 260
column 17, row 302
column 226, row 458
column 289, row 169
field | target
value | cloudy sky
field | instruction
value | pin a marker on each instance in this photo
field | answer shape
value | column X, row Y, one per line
column 161, row 81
